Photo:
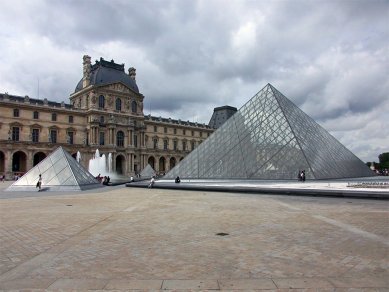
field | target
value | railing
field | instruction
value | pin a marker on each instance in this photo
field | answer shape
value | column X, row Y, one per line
column 368, row 185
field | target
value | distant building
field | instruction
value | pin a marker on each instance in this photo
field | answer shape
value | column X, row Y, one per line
column 105, row 113
column 220, row 115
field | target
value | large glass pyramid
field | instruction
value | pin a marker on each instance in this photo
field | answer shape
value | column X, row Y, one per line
column 270, row 138
column 60, row 171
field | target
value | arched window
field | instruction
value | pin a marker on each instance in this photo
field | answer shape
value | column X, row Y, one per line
column 162, row 163
column 101, row 102
column 118, row 104
column 120, row 139
column 134, row 107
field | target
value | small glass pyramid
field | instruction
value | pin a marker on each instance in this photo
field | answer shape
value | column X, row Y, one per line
column 270, row 138
column 60, row 171
column 147, row 172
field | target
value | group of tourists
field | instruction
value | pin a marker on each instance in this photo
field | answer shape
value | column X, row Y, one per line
column 103, row 180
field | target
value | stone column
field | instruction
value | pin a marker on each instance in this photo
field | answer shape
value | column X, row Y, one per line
column 8, row 164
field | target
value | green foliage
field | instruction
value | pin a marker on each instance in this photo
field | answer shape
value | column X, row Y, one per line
column 384, row 158
column 384, row 165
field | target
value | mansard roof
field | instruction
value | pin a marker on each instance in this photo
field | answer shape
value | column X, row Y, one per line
column 176, row 122
column 33, row 101
column 105, row 72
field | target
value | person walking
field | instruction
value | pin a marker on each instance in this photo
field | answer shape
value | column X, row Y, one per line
column 39, row 184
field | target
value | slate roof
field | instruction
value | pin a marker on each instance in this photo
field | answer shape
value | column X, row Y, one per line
column 34, row 101
column 104, row 72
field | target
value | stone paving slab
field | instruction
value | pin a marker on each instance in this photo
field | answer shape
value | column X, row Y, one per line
column 78, row 284
column 152, row 239
column 190, row 284
column 293, row 283
column 134, row 284
column 19, row 284
column 245, row 284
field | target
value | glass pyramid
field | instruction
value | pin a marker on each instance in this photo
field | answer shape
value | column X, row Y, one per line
column 60, row 171
column 270, row 138
column 147, row 172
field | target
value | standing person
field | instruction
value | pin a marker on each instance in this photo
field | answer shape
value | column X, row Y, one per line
column 40, row 183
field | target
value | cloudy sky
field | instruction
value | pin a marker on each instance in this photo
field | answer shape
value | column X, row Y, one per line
column 329, row 57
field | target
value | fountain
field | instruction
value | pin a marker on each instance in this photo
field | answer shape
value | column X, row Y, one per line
column 110, row 162
column 78, row 157
column 98, row 165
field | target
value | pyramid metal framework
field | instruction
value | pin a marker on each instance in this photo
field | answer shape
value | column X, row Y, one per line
column 270, row 138
column 60, row 171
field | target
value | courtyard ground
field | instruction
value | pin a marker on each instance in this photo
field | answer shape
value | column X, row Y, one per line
column 119, row 238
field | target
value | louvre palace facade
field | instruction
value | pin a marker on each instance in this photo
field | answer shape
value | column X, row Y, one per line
column 105, row 113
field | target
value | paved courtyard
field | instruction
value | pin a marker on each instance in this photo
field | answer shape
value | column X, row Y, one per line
column 123, row 238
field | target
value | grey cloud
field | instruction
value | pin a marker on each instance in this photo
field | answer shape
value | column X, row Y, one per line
column 328, row 57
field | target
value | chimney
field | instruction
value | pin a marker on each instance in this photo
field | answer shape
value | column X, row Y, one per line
column 86, row 71
column 132, row 73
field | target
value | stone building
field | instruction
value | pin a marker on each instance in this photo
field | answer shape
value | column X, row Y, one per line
column 105, row 113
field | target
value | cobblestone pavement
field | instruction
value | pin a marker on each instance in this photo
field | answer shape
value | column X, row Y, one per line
column 152, row 239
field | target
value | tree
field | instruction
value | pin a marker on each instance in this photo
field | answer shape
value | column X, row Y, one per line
column 383, row 157
column 384, row 160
